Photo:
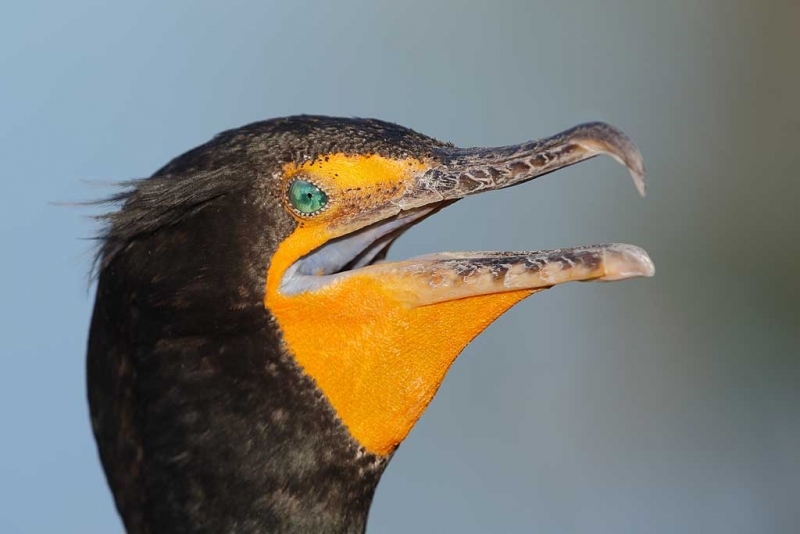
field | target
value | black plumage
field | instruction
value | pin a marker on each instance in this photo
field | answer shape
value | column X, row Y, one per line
column 203, row 422
column 204, row 419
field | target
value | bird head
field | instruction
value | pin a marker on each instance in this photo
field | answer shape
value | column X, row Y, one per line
column 296, row 215
column 268, row 245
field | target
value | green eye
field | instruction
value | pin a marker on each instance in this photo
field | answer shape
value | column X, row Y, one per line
column 306, row 197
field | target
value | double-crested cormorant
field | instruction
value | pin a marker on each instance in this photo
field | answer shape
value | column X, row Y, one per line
column 253, row 361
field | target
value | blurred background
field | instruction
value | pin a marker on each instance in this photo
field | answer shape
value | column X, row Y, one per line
column 663, row 405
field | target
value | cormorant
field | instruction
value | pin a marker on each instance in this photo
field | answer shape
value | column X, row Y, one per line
column 253, row 360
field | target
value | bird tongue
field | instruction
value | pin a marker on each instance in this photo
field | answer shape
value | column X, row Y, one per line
column 448, row 276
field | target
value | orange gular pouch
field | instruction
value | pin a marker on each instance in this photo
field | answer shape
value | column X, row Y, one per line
column 377, row 357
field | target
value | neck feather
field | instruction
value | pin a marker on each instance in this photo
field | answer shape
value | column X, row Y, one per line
column 219, row 432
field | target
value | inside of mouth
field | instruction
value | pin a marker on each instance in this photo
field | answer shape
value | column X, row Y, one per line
column 337, row 257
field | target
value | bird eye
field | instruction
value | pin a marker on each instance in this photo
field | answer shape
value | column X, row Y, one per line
column 306, row 198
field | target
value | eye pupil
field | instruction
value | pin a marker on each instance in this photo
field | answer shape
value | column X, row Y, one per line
column 306, row 198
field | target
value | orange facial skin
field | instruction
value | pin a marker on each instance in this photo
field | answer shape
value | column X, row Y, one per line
column 377, row 357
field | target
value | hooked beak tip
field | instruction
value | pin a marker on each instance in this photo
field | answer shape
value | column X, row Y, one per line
column 605, row 139
column 626, row 261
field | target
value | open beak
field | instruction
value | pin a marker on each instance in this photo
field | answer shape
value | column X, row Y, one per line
column 454, row 174
column 464, row 172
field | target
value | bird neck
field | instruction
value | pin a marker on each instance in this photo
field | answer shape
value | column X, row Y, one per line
column 218, row 432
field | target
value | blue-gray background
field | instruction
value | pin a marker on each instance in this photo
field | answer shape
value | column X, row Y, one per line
column 661, row 406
